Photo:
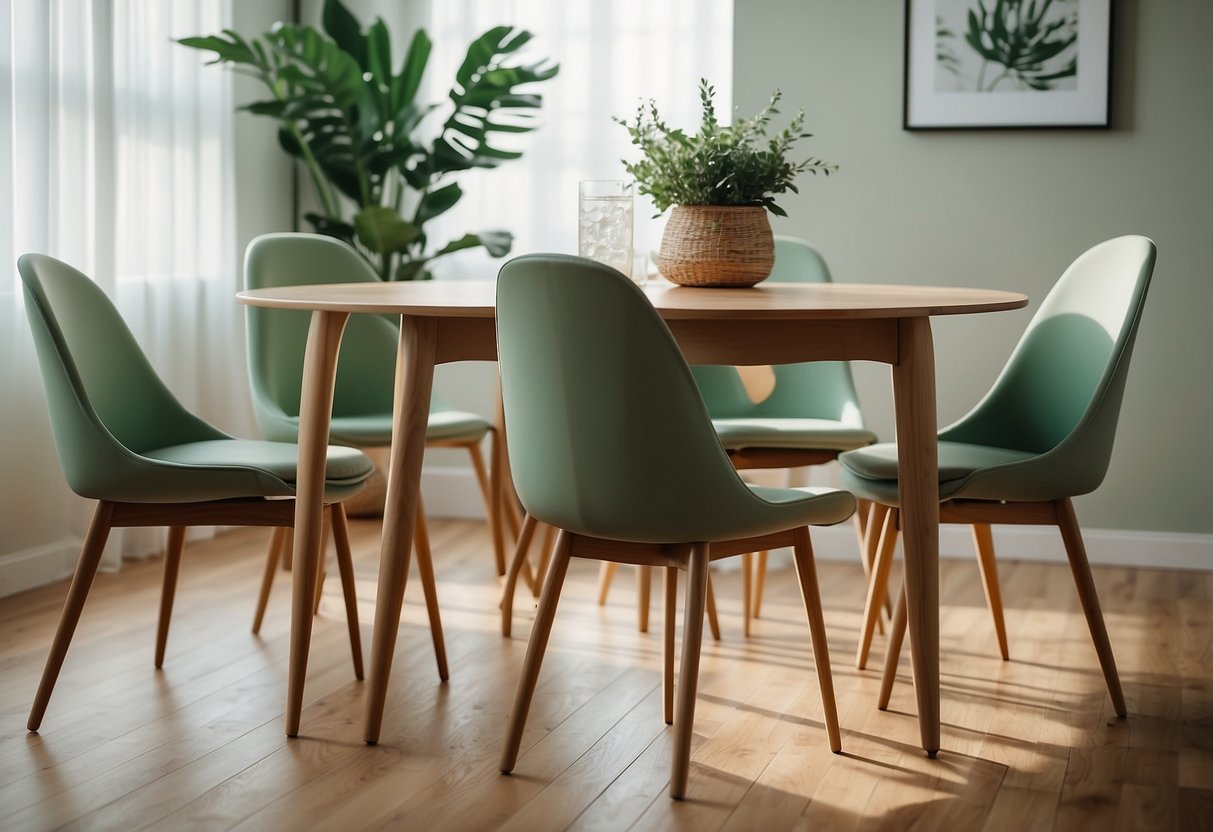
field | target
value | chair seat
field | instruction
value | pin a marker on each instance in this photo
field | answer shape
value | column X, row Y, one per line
column 345, row 468
column 375, row 429
column 871, row 473
column 799, row 434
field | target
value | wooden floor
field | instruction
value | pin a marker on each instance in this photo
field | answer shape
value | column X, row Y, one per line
column 1028, row 744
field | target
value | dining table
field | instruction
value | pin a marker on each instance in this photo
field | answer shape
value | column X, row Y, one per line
column 451, row 320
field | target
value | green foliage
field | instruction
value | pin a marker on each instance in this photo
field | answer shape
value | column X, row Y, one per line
column 1019, row 36
column 733, row 165
column 354, row 124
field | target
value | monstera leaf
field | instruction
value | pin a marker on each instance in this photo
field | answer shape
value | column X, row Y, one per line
column 1020, row 36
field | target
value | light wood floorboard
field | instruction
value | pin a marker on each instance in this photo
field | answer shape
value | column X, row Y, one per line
column 1032, row 743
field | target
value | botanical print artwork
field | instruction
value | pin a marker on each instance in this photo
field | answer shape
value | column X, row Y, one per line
column 1006, row 45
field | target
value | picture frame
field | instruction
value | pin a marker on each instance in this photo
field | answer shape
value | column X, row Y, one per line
column 1007, row 64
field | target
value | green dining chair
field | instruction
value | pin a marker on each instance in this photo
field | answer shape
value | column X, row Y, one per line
column 124, row 440
column 583, row 356
column 366, row 370
column 810, row 417
column 1043, row 433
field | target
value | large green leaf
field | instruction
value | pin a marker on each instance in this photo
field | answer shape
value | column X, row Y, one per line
column 383, row 231
column 231, row 50
column 406, row 84
column 438, row 202
column 341, row 25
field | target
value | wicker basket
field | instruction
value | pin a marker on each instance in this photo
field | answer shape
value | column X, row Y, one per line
column 717, row 245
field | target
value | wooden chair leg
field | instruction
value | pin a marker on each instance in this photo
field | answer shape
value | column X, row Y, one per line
column 670, row 608
column 288, row 549
column 77, row 593
column 877, row 586
column 869, row 545
column 688, row 678
column 644, row 586
column 606, row 573
column 491, row 513
column 345, row 565
column 760, row 583
column 324, row 556
column 545, row 551
column 272, row 556
column 983, row 540
column 806, row 572
column 1071, row 535
column 168, row 591
column 897, row 634
column 536, row 647
column 511, row 579
column 425, row 569
column 747, row 579
column 713, row 619
column 511, row 515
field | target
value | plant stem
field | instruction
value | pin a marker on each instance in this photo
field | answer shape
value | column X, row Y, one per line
column 327, row 201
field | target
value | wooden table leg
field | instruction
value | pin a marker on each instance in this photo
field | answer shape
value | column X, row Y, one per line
column 315, row 412
column 918, row 474
column 411, row 408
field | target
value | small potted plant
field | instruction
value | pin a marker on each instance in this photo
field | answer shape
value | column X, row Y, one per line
column 721, row 182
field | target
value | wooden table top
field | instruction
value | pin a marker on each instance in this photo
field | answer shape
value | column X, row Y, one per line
column 476, row 299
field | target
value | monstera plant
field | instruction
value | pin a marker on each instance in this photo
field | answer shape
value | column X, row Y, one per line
column 355, row 124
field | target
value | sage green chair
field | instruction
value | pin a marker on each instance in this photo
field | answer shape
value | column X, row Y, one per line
column 124, row 440
column 583, row 356
column 811, row 416
column 1043, row 433
column 366, row 369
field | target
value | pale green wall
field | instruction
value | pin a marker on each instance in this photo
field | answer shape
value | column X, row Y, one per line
column 1011, row 209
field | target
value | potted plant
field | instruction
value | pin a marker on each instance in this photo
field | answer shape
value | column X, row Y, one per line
column 355, row 124
column 721, row 182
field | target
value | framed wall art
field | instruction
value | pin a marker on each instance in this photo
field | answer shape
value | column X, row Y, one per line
column 1007, row 63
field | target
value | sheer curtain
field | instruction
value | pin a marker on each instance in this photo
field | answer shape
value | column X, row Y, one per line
column 612, row 56
column 117, row 154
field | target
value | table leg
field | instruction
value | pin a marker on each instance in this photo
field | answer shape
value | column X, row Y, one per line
column 315, row 412
column 411, row 408
column 918, row 473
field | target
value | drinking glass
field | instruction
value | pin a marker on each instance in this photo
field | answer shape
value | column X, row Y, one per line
column 604, row 228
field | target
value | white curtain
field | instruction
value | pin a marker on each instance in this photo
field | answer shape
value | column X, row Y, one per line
column 612, row 55
column 117, row 158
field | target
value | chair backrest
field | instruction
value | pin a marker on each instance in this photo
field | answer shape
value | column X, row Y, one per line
column 607, row 433
column 366, row 367
column 811, row 390
column 107, row 404
column 1060, row 392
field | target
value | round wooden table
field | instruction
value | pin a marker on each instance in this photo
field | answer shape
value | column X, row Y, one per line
column 782, row 323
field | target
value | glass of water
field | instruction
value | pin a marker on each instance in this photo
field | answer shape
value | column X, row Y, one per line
column 604, row 228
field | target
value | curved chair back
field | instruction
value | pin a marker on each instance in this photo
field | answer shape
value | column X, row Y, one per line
column 107, row 404
column 1060, row 392
column 607, row 433
column 366, row 368
column 811, row 390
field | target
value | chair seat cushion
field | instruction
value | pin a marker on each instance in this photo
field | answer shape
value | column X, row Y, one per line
column 376, row 429
column 871, row 473
column 343, row 466
column 798, row 434
column 823, row 506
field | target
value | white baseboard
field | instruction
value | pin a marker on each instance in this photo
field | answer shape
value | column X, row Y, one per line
column 452, row 492
column 35, row 567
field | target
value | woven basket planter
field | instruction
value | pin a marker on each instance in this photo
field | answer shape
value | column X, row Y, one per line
column 717, row 245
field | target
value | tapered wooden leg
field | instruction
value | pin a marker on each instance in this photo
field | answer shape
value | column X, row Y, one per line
column 545, row 551
column 877, row 585
column 897, row 633
column 918, row 515
column 606, row 573
column 316, row 409
column 644, row 586
column 345, row 565
column 511, row 579
column 411, row 415
column 172, row 565
column 760, row 583
column 425, row 569
column 872, row 530
column 670, row 608
column 278, row 542
column 288, row 547
column 806, row 572
column 747, row 579
column 713, row 619
column 1071, row 535
column 321, row 572
column 983, row 540
column 535, row 649
column 688, row 677
column 491, row 514
column 77, row 593
column 511, row 515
